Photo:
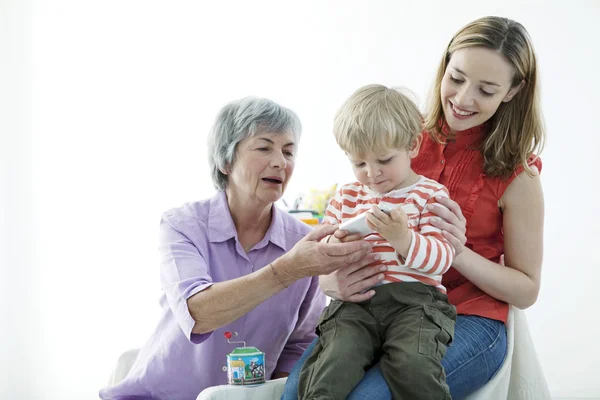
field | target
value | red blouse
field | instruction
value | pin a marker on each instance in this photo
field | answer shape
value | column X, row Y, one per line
column 459, row 166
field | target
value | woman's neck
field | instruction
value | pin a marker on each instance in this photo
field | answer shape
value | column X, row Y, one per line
column 251, row 217
column 467, row 132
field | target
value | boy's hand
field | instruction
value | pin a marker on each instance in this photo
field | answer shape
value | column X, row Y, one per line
column 393, row 227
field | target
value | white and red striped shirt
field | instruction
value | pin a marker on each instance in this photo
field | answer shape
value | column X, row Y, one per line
column 429, row 255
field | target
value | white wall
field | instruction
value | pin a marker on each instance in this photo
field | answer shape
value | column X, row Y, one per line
column 122, row 94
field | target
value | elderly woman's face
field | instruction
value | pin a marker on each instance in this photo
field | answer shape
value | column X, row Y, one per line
column 263, row 166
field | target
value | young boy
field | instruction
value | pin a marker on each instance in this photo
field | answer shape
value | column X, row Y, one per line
column 407, row 325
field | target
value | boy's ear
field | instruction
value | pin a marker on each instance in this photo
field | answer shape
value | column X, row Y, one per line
column 413, row 151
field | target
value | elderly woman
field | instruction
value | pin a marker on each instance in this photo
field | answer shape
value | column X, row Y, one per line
column 236, row 263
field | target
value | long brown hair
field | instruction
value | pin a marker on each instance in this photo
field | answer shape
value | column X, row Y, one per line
column 516, row 130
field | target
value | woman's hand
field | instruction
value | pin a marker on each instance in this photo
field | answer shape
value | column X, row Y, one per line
column 309, row 257
column 340, row 236
column 451, row 221
column 348, row 283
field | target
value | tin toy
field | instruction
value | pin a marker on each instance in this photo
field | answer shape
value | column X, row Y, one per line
column 245, row 365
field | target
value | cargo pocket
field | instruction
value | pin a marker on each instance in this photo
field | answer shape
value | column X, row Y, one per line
column 326, row 327
column 436, row 332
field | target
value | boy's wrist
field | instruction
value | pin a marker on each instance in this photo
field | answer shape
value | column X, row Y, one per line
column 402, row 244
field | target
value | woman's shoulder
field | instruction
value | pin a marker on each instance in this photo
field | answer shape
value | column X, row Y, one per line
column 196, row 210
column 195, row 217
column 293, row 226
column 533, row 162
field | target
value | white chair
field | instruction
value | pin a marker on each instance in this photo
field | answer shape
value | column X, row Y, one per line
column 519, row 378
column 269, row 390
column 527, row 381
column 124, row 364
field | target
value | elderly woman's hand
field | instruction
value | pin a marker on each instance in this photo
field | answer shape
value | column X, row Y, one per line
column 451, row 221
column 350, row 283
column 310, row 257
column 340, row 236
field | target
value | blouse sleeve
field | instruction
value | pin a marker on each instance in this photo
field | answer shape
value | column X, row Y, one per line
column 183, row 273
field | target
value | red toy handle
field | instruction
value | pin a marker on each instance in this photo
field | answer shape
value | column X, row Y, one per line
column 227, row 335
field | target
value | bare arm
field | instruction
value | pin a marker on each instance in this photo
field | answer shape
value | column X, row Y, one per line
column 224, row 302
column 518, row 282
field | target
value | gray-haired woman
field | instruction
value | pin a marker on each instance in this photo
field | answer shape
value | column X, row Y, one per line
column 236, row 263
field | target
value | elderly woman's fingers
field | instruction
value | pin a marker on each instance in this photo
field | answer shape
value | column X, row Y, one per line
column 342, row 261
column 360, row 297
column 366, row 284
column 340, row 234
column 320, row 232
column 361, row 269
column 347, row 249
column 351, row 237
column 367, row 278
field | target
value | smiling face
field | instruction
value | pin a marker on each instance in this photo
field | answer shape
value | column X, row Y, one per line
column 476, row 81
column 262, row 168
column 384, row 172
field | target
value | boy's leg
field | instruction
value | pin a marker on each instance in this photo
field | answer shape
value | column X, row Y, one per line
column 415, row 343
column 291, row 384
column 348, row 342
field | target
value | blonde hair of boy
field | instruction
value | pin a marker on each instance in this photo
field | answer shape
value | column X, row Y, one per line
column 376, row 118
column 516, row 131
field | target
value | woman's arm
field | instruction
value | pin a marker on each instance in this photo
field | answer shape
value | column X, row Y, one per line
column 224, row 302
column 518, row 282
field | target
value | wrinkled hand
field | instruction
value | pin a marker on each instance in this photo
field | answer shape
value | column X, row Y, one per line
column 347, row 283
column 340, row 236
column 450, row 221
column 309, row 257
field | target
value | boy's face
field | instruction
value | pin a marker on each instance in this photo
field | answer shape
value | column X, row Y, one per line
column 383, row 172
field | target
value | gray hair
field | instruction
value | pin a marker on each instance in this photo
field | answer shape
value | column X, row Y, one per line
column 241, row 119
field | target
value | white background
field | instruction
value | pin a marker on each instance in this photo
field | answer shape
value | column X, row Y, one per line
column 104, row 111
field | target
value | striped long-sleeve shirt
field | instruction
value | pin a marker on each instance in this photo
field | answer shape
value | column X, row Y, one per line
column 429, row 255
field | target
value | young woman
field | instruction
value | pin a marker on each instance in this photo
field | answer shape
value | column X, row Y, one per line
column 482, row 128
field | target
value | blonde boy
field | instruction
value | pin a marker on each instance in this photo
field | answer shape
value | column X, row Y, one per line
column 407, row 325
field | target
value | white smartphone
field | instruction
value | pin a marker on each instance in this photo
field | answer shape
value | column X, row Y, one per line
column 358, row 224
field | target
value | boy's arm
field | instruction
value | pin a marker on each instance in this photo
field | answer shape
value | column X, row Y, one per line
column 428, row 252
column 333, row 213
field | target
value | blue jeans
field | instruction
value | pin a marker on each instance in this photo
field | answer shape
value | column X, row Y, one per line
column 477, row 352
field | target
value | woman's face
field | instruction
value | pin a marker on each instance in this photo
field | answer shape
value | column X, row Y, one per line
column 477, row 80
column 263, row 166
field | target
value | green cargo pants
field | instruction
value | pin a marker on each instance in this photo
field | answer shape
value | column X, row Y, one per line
column 405, row 326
